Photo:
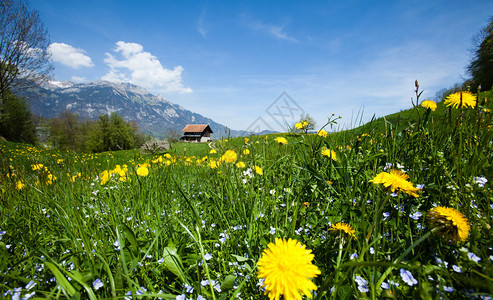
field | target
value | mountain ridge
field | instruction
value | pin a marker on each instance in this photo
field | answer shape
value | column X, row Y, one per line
column 155, row 115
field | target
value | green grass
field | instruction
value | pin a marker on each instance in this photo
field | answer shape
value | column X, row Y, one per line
column 197, row 221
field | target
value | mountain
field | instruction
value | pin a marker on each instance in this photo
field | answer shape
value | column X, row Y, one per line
column 154, row 114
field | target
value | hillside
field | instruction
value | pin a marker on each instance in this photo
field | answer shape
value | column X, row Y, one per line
column 154, row 114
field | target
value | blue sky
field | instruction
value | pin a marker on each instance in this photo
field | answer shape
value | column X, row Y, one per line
column 230, row 61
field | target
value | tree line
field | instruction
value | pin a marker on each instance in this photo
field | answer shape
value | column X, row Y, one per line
column 107, row 133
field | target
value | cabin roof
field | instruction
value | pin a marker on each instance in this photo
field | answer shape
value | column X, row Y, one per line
column 196, row 128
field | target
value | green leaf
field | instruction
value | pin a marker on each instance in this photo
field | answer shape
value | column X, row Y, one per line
column 61, row 280
column 240, row 258
column 172, row 261
column 134, row 245
column 228, row 282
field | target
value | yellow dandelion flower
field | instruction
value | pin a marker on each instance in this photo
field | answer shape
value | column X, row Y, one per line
column 37, row 167
column 429, row 104
column 287, row 269
column 240, row 165
column 322, row 133
column 246, row 140
column 59, row 161
column 344, row 229
column 246, row 151
column 461, row 99
column 142, row 170
column 105, row 177
column 329, row 153
column 212, row 151
column 258, row 170
column 213, row 164
column 229, row 156
column 396, row 181
column 452, row 225
column 281, row 140
column 20, row 185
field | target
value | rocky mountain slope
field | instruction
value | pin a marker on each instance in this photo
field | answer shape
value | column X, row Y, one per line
column 154, row 114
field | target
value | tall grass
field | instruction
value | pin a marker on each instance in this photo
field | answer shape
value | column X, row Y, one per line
column 196, row 226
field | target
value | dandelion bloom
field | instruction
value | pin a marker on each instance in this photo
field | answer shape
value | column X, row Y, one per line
column 229, row 157
column 461, row 99
column 344, row 229
column 20, row 185
column 281, row 140
column 212, row 151
column 429, row 104
column 142, row 171
column 240, row 165
column 322, row 133
column 301, row 125
column 396, row 181
column 246, row 151
column 258, row 170
column 329, row 153
column 454, row 226
column 246, row 140
column 105, row 177
column 287, row 268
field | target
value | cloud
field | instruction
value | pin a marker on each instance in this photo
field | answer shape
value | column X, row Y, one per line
column 69, row 56
column 276, row 31
column 78, row 79
column 142, row 68
column 200, row 23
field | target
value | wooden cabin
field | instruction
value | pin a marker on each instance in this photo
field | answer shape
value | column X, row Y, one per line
column 197, row 133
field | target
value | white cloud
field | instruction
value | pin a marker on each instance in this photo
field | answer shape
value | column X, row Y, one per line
column 69, row 56
column 276, row 31
column 78, row 79
column 144, row 69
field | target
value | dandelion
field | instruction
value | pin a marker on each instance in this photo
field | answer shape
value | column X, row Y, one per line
column 396, row 181
column 322, row 133
column 344, row 229
column 20, row 185
column 229, row 156
column 287, row 268
column 301, row 125
column 329, row 153
column 258, row 170
column 245, row 140
column 212, row 151
column 142, row 170
column 451, row 224
column 461, row 99
column 240, row 165
column 408, row 278
column 105, row 177
column 281, row 140
column 429, row 104
column 246, row 151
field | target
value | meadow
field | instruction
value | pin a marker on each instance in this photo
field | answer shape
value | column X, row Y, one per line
column 398, row 208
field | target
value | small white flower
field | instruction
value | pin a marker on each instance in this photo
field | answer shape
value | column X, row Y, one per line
column 362, row 284
column 207, row 256
column 272, row 230
column 473, row 257
column 408, row 278
column 456, row 268
column 97, row 284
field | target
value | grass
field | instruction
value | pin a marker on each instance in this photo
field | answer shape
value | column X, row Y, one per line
column 94, row 226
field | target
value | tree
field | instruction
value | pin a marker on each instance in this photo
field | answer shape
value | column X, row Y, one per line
column 24, row 42
column 16, row 123
column 481, row 68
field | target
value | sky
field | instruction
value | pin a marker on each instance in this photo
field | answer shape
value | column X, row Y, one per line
column 254, row 65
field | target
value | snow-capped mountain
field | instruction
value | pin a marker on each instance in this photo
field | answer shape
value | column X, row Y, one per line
column 154, row 114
